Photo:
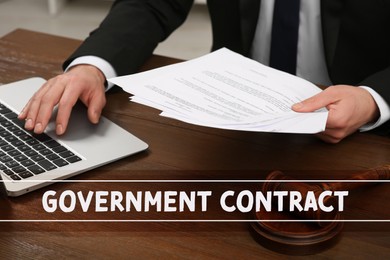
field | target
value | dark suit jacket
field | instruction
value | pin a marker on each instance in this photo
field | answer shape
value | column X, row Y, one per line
column 356, row 35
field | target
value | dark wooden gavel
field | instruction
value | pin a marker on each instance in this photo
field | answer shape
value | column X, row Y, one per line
column 379, row 173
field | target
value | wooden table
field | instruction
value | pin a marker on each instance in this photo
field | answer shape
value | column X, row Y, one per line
column 179, row 151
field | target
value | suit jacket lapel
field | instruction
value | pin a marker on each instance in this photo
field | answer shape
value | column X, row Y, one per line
column 331, row 19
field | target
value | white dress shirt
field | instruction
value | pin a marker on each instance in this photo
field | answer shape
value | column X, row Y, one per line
column 310, row 56
column 101, row 64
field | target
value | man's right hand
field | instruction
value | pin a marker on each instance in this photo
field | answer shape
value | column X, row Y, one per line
column 84, row 82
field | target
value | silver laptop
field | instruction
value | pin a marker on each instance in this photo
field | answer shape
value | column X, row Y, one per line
column 29, row 162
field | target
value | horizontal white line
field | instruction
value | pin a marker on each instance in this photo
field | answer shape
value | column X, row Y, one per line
column 195, row 181
column 193, row 220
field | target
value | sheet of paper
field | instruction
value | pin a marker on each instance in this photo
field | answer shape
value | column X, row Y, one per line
column 226, row 90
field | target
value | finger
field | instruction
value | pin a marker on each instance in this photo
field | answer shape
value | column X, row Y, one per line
column 33, row 100
column 47, row 103
column 322, row 99
column 328, row 138
column 96, row 106
column 335, row 135
column 339, row 120
column 30, row 111
column 22, row 115
column 65, row 106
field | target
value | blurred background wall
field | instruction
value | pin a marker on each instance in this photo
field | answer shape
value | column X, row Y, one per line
column 76, row 18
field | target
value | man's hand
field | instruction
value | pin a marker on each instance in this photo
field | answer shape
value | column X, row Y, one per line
column 349, row 109
column 84, row 82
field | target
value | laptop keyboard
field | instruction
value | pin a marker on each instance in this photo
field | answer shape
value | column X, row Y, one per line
column 24, row 154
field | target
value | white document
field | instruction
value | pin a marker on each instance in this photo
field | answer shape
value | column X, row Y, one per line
column 226, row 90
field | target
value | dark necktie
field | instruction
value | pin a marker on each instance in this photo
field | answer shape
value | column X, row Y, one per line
column 284, row 39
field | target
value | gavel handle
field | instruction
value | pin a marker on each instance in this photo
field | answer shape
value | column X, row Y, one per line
column 361, row 180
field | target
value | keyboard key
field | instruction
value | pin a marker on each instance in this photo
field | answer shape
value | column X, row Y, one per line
column 6, row 124
column 18, row 169
column 17, row 143
column 7, row 148
column 47, row 165
column 18, row 132
column 38, row 147
column 18, row 122
column 42, row 137
column 30, row 153
column 66, row 154
column 35, row 169
column 32, row 142
column 11, row 115
column 4, row 110
column 25, row 174
column 25, row 137
column 11, row 164
column 24, row 148
column 20, row 158
column 37, row 158
column 13, row 128
column 27, row 163
column 59, row 149
column 15, row 177
column 8, row 172
column 45, row 152
column 14, row 153
column 52, row 157
column 52, row 144
column 11, row 138
column 60, row 162
column 5, row 158
column 5, row 134
column 73, row 159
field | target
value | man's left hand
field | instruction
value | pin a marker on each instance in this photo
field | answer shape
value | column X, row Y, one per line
column 349, row 109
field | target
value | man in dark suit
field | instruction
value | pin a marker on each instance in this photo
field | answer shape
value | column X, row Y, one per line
column 356, row 52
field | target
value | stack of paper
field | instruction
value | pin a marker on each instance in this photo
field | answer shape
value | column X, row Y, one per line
column 226, row 90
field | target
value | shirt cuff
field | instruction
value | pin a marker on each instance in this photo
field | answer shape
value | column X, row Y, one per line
column 384, row 110
column 105, row 67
